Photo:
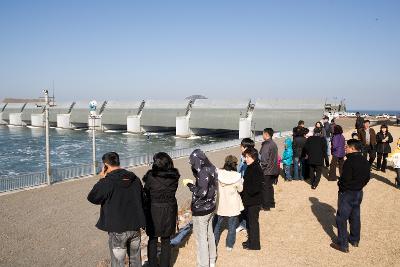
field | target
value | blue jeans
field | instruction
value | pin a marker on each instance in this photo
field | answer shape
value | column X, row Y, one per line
column 125, row 243
column 288, row 171
column 298, row 172
column 348, row 210
column 232, row 224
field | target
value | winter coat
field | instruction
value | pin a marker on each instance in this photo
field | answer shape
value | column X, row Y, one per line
column 229, row 186
column 328, row 128
column 315, row 150
column 363, row 138
column 252, row 185
column 204, row 191
column 383, row 147
column 338, row 145
column 161, row 206
column 359, row 123
column 287, row 156
column 356, row 173
column 120, row 195
column 299, row 131
column 298, row 144
column 269, row 157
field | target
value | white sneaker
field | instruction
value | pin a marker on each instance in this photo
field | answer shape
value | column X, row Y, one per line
column 212, row 264
column 228, row 249
column 240, row 228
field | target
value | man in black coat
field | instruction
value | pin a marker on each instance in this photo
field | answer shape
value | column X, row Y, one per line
column 356, row 174
column 120, row 194
column 315, row 152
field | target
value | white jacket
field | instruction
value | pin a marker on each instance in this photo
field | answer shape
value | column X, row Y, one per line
column 229, row 202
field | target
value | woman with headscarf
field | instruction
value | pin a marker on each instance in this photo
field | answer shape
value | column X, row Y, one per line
column 204, row 197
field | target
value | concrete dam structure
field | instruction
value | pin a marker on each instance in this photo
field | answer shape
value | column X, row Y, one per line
column 184, row 117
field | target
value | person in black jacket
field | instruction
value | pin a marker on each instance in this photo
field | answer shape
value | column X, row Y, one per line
column 356, row 174
column 315, row 152
column 383, row 140
column 120, row 194
column 160, row 185
column 359, row 122
column 252, row 198
column 299, row 140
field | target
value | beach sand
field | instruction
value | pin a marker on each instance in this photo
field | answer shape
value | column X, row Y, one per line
column 54, row 226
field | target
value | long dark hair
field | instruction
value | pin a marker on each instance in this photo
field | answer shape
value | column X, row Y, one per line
column 162, row 162
column 387, row 129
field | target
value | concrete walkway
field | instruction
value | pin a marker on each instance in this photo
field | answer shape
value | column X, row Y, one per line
column 54, row 226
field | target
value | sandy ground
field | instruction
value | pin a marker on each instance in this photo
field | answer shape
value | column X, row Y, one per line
column 54, row 226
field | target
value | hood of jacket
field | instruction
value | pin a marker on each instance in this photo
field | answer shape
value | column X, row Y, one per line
column 122, row 177
column 200, row 162
column 228, row 177
column 166, row 178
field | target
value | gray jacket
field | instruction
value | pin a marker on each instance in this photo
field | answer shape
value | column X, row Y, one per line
column 269, row 158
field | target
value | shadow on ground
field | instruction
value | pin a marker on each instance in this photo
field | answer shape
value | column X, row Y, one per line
column 382, row 179
column 325, row 215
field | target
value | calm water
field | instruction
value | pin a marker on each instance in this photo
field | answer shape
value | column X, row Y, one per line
column 22, row 149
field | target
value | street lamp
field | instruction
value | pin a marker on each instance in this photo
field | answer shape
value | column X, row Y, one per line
column 46, row 110
column 93, row 116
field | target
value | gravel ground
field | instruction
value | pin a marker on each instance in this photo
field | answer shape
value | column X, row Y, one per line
column 54, row 226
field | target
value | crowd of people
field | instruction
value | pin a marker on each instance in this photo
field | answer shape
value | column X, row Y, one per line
column 235, row 194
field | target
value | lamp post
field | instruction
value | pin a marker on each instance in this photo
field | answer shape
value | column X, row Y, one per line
column 46, row 114
column 93, row 116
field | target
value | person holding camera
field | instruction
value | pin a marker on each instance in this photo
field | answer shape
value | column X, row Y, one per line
column 120, row 194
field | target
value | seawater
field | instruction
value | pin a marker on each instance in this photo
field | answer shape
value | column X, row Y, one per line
column 22, row 149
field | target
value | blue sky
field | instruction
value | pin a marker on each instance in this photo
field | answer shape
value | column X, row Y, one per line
column 222, row 49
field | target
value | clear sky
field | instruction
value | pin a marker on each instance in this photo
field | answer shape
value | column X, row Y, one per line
column 222, row 49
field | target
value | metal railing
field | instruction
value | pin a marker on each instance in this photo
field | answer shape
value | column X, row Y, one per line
column 66, row 173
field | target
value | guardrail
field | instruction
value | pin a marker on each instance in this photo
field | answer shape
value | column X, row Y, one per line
column 67, row 173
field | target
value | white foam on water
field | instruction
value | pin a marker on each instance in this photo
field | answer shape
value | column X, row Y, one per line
column 113, row 131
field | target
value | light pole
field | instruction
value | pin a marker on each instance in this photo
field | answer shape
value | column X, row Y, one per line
column 93, row 116
column 46, row 114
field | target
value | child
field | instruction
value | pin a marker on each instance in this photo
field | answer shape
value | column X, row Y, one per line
column 229, row 204
column 287, row 159
column 395, row 158
column 252, row 198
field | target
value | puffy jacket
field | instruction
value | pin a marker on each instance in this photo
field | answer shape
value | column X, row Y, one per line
column 120, row 195
column 229, row 202
column 205, row 189
column 287, row 156
column 338, row 145
column 269, row 158
column 383, row 147
column 161, row 206
column 252, row 185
